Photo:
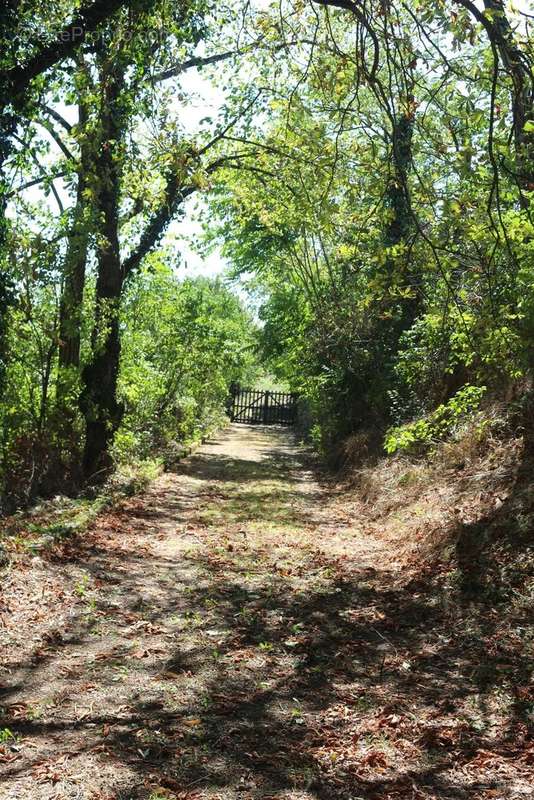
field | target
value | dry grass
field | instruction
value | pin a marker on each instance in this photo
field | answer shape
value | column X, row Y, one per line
column 417, row 503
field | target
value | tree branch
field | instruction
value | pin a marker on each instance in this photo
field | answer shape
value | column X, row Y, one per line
column 35, row 182
column 175, row 194
column 349, row 5
column 230, row 125
column 203, row 61
column 58, row 140
column 44, row 174
column 195, row 61
column 58, row 118
column 65, row 43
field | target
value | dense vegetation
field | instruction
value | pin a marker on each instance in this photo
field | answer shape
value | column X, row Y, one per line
column 248, row 626
column 369, row 176
column 107, row 355
column 387, row 222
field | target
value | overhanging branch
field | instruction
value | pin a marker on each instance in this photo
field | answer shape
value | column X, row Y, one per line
column 58, row 118
column 88, row 19
column 204, row 61
column 175, row 194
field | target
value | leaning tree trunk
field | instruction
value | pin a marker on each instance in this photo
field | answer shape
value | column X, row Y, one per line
column 98, row 399
column 519, row 65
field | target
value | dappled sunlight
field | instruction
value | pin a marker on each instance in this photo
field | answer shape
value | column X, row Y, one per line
column 211, row 656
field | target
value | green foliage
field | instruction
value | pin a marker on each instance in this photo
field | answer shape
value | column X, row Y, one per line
column 6, row 735
column 184, row 343
column 436, row 426
column 380, row 227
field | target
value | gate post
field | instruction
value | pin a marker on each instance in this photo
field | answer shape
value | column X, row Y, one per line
column 230, row 401
column 266, row 408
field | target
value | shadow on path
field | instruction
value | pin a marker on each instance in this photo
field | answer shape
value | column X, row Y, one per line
column 222, row 647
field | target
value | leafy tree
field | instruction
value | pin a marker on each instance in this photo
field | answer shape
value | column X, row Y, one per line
column 185, row 343
column 387, row 218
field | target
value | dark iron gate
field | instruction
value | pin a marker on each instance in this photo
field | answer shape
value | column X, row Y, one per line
column 259, row 407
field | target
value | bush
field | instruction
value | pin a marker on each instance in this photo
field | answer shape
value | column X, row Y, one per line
column 422, row 433
column 184, row 343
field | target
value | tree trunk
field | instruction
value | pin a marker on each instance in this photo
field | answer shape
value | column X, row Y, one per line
column 70, row 314
column 398, row 312
column 397, row 192
column 401, row 223
column 8, row 123
column 98, row 400
column 517, row 64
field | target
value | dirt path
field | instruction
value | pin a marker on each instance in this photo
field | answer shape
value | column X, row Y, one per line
column 232, row 634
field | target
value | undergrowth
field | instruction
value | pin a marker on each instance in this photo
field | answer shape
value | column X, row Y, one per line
column 460, row 511
column 50, row 522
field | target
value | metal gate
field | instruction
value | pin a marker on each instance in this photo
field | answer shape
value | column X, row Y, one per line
column 259, row 407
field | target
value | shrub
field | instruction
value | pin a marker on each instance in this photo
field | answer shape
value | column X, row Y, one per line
column 424, row 432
